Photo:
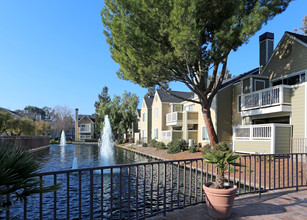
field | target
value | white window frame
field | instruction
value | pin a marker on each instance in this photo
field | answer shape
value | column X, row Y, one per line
column 258, row 80
column 156, row 129
column 239, row 101
column 156, row 113
column 202, row 134
column 189, row 108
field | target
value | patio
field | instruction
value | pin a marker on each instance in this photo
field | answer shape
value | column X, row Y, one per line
column 277, row 204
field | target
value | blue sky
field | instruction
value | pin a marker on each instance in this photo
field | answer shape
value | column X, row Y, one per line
column 54, row 53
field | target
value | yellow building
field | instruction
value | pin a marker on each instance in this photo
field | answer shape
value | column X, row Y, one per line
column 261, row 111
column 84, row 126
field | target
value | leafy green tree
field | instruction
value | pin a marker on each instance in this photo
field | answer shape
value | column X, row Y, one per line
column 18, row 175
column 102, row 103
column 128, row 106
column 5, row 117
column 21, row 126
column 42, row 128
column 157, row 42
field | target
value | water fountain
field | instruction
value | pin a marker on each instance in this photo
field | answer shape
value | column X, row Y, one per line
column 106, row 145
column 75, row 163
column 63, row 139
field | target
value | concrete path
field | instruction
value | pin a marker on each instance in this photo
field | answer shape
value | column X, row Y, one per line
column 281, row 204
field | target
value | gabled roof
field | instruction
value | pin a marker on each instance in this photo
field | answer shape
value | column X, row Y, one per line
column 148, row 101
column 237, row 78
column 165, row 97
column 14, row 114
column 91, row 117
column 300, row 37
column 138, row 112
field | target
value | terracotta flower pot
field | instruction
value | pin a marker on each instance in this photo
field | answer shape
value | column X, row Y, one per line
column 219, row 201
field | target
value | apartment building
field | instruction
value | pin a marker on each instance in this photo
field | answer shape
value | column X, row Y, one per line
column 261, row 111
column 146, row 120
column 84, row 126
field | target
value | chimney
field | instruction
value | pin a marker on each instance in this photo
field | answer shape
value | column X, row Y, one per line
column 76, row 125
column 266, row 42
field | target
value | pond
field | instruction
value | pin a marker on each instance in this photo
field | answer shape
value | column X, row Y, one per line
column 61, row 158
column 58, row 158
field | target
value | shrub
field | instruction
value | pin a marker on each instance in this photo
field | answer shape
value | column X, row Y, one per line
column 221, row 147
column 206, row 148
column 91, row 140
column 119, row 141
column 193, row 149
column 176, row 146
column 152, row 143
column 138, row 142
column 160, row 145
column 144, row 145
column 131, row 140
column 52, row 141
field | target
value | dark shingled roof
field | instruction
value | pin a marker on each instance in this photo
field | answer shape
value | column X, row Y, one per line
column 138, row 112
column 14, row 114
column 165, row 97
column 239, row 77
column 148, row 101
column 298, row 36
column 92, row 117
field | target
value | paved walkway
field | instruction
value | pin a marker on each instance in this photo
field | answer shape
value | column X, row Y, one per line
column 281, row 204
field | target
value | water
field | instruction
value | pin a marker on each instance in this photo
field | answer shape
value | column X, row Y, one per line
column 63, row 139
column 58, row 158
column 106, row 145
column 75, row 163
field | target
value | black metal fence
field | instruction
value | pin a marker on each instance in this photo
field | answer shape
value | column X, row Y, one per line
column 138, row 191
column 26, row 142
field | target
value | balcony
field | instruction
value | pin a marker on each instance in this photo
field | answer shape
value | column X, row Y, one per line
column 174, row 119
column 170, row 135
column 192, row 117
column 274, row 99
column 85, row 130
column 264, row 138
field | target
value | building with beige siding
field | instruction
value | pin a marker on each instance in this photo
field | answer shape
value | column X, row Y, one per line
column 84, row 126
column 261, row 111
column 145, row 119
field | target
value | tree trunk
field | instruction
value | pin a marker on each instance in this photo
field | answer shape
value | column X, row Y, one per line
column 209, row 125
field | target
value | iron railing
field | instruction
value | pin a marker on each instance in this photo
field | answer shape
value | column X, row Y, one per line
column 138, row 191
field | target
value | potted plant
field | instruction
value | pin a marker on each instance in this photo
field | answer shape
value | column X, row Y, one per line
column 220, row 195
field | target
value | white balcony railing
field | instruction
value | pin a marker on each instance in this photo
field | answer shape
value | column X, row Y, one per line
column 174, row 118
column 85, row 130
column 253, row 132
column 171, row 134
column 266, row 98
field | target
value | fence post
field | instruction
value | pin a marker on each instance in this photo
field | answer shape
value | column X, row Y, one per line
column 259, row 175
column 296, row 158
column 164, row 191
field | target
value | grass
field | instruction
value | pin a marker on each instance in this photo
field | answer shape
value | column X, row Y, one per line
column 130, row 147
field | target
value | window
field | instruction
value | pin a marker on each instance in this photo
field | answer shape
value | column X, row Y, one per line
column 143, row 133
column 156, row 114
column 177, row 108
column 189, row 108
column 292, row 80
column 205, row 136
column 85, row 128
column 144, row 117
column 156, row 133
column 239, row 103
column 259, row 84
